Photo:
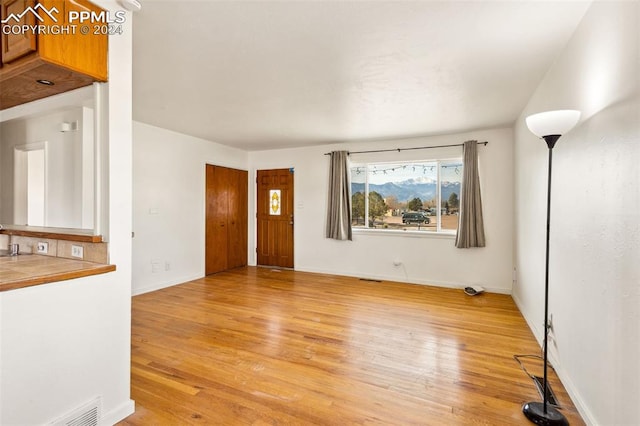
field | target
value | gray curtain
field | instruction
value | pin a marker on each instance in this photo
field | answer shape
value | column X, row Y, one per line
column 339, row 206
column 470, row 223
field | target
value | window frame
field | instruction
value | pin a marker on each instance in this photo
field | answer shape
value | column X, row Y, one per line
column 438, row 232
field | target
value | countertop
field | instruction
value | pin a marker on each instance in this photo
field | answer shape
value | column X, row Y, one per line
column 33, row 269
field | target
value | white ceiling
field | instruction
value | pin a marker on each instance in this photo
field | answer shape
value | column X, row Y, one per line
column 272, row 74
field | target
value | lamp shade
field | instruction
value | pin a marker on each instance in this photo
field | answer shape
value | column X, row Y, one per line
column 553, row 122
column 130, row 5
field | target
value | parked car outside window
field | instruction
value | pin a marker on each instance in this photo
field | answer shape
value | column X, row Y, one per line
column 415, row 217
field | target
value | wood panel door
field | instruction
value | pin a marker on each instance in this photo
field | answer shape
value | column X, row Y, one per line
column 226, row 219
column 237, row 221
column 275, row 217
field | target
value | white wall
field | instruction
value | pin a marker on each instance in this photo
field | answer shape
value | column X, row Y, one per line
column 595, row 220
column 169, row 214
column 65, row 343
column 63, row 166
column 426, row 260
column 169, row 204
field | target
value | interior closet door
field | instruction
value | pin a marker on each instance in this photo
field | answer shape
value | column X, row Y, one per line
column 226, row 219
column 237, row 218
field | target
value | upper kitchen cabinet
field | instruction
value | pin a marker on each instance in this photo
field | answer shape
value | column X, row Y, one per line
column 49, row 47
column 21, row 43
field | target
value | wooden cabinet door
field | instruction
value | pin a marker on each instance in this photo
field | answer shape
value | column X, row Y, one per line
column 15, row 46
column 84, row 53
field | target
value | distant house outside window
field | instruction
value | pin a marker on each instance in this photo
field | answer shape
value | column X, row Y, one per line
column 416, row 196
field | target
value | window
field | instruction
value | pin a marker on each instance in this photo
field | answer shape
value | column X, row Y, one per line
column 406, row 195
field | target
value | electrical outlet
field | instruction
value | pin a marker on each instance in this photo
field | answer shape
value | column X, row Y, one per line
column 77, row 251
column 42, row 247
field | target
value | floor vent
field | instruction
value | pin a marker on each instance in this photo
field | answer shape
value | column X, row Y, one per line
column 87, row 415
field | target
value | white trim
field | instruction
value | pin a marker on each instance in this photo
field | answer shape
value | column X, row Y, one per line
column 101, row 160
column 119, row 413
column 571, row 389
column 426, row 282
column 25, row 148
column 33, row 146
column 396, row 232
column 164, row 284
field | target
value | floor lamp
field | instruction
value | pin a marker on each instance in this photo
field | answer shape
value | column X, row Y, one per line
column 549, row 126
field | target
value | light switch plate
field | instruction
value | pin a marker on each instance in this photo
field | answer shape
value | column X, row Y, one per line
column 77, row 251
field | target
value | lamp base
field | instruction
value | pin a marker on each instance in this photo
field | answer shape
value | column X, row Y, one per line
column 534, row 411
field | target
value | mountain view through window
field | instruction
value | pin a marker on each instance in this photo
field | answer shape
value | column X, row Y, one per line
column 406, row 196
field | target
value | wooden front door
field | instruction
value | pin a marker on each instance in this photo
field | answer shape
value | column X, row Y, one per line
column 275, row 217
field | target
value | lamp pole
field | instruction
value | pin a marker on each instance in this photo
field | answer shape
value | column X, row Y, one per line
column 551, row 141
column 542, row 413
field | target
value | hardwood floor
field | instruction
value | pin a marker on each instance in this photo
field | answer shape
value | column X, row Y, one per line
column 255, row 346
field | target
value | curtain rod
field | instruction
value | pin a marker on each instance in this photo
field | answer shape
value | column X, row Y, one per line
column 407, row 149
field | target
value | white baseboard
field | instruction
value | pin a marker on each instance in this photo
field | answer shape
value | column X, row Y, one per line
column 435, row 283
column 121, row 412
column 571, row 389
column 165, row 284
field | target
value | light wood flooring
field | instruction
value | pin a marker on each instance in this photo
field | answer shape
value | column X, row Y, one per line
column 256, row 346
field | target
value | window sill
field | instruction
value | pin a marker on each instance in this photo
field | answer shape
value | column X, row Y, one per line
column 402, row 233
